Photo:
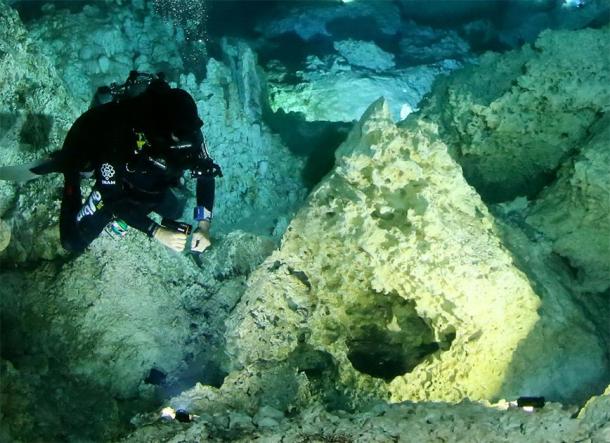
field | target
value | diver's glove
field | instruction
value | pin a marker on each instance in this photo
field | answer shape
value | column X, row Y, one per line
column 201, row 237
column 205, row 167
column 172, row 239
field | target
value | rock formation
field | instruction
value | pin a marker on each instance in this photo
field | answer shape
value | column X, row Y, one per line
column 515, row 118
column 393, row 284
column 574, row 212
column 36, row 111
column 446, row 265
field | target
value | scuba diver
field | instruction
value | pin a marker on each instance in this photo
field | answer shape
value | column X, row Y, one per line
column 137, row 146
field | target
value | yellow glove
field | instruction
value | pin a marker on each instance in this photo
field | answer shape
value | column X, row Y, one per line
column 170, row 238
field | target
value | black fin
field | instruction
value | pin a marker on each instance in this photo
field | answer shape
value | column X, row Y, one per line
column 48, row 166
column 29, row 171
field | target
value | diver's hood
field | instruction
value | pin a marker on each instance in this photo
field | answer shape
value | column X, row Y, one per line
column 161, row 111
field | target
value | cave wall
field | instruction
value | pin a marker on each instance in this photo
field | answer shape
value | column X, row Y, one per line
column 262, row 184
column 81, row 338
column 574, row 212
column 394, row 284
column 530, row 127
column 36, row 109
column 513, row 119
column 83, row 333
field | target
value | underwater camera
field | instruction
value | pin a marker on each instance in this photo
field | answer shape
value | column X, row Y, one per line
column 177, row 226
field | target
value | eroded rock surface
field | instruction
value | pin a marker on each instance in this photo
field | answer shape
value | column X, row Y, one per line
column 85, row 338
column 395, row 422
column 106, row 42
column 394, row 284
column 35, row 112
column 513, row 120
column 262, row 185
column 574, row 213
column 396, row 270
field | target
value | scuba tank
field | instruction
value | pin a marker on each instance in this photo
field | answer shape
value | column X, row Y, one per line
column 136, row 84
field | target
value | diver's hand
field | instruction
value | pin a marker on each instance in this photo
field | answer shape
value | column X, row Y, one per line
column 201, row 237
column 170, row 238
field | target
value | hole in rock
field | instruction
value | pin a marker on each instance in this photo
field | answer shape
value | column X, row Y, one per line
column 380, row 356
column 387, row 337
column 7, row 120
column 362, row 28
column 321, row 371
column 293, row 51
column 200, row 369
column 314, row 363
column 155, row 377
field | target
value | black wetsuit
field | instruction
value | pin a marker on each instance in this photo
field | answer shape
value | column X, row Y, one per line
column 129, row 183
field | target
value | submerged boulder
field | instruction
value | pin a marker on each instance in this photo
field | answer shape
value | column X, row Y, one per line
column 396, row 272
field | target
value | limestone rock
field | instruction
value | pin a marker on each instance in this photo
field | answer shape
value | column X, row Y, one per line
column 35, row 112
column 238, row 254
column 250, row 196
column 523, row 21
column 333, row 91
column 106, row 319
column 514, row 119
column 596, row 414
column 574, row 212
column 424, row 422
column 5, row 235
column 394, row 283
column 106, row 42
column 394, row 271
column 35, row 233
column 30, row 87
column 396, row 265
column 422, row 44
column 563, row 304
column 365, row 54
column 310, row 22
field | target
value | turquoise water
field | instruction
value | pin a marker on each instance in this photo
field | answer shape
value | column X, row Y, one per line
column 91, row 341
